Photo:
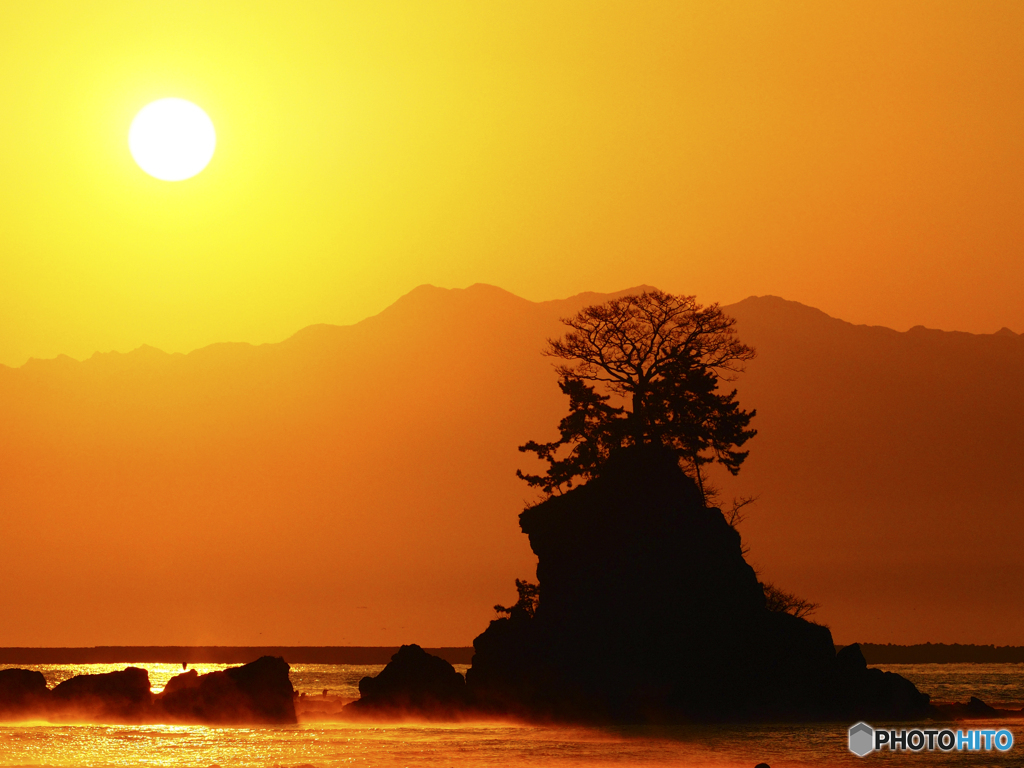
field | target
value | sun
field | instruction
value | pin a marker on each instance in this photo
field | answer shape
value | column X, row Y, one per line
column 172, row 139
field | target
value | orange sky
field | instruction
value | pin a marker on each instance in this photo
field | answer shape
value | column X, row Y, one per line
column 864, row 158
column 355, row 485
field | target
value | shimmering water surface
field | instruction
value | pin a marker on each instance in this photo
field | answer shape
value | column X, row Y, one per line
column 1001, row 685
column 328, row 744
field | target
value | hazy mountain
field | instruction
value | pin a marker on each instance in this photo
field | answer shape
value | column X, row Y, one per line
column 890, row 467
column 355, row 485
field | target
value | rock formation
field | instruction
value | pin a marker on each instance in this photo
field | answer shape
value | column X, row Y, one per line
column 23, row 694
column 872, row 693
column 648, row 612
column 259, row 692
column 414, row 684
column 112, row 697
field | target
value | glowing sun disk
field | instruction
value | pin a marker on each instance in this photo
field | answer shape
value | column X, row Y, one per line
column 172, row 139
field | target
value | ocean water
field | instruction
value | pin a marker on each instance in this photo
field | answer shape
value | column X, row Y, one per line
column 1000, row 685
column 320, row 742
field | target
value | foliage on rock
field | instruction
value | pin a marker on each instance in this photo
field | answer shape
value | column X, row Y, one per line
column 664, row 357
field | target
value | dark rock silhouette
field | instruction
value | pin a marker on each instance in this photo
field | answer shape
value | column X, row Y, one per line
column 23, row 694
column 974, row 709
column 120, row 697
column 648, row 612
column 180, row 682
column 259, row 692
column 978, row 708
column 414, row 683
column 872, row 693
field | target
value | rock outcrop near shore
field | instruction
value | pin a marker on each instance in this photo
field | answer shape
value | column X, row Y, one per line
column 414, row 684
column 648, row 612
column 23, row 694
column 259, row 692
column 112, row 697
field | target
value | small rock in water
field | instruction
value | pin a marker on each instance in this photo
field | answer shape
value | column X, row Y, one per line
column 978, row 707
column 414, row 682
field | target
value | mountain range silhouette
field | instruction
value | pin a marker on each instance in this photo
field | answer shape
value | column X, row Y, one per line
column 356, row 484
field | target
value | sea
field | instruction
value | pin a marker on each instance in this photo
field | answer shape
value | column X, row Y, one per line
column 323, row 740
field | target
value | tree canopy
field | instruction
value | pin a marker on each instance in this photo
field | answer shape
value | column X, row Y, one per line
column 526, row 606
column 664, row 357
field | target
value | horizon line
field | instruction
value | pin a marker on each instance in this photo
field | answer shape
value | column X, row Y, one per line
column 419, row 288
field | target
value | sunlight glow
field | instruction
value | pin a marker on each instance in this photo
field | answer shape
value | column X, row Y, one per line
column 172, row 139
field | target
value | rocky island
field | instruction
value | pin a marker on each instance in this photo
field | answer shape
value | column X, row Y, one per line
column 647, row 612
column 259, row 692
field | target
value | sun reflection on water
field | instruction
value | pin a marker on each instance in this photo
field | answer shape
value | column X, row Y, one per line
column 159, row 673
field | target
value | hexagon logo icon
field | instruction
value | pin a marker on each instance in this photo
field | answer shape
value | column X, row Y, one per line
column 862, row 739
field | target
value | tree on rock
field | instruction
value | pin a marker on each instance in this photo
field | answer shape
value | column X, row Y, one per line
column 664, row 356
column 526, row 606
column 779, row 601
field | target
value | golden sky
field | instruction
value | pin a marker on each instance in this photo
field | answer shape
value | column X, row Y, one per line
column 864, row 157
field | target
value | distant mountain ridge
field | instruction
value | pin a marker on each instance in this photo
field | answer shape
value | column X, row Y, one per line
column 425, row 296
column 355, row 484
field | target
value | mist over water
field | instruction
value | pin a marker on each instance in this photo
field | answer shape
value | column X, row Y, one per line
column 328, row 744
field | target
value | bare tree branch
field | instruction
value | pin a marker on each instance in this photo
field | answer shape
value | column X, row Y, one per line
column 665, row 354
column 779, row 601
